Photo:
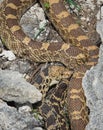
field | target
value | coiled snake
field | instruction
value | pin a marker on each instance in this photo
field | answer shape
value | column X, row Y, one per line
column 77, row 53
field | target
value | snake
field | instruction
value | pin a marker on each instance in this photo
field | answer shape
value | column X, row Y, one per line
column 52, row 107
column 77, row 53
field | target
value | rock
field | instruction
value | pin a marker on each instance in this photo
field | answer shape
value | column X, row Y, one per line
column 24, row 109
column 23, row 66
column 8, row 54
column 32, row 20
column 13, row 87
column 99, row 28
column 93, row 87
column 11, row 119
column 100, row 13
column 38, row 128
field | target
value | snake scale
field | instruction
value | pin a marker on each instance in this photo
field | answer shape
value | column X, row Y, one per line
column 77, row 53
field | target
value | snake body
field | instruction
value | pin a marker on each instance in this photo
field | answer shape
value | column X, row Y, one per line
column 52, row 108
column 77, row 53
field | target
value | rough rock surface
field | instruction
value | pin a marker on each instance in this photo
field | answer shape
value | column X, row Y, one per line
column 35, row 25
column 11, row 119
column 100, row 28
column 93, row 87
column 13, row 87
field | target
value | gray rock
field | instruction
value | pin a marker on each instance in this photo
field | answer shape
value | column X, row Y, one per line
column 23, row 66
column 38, row 128
column 93, row 87
column 13, row 87
column 26, row 108
column 8, row 54
column 31, row 21
column 99, row 28
column 11, row 119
